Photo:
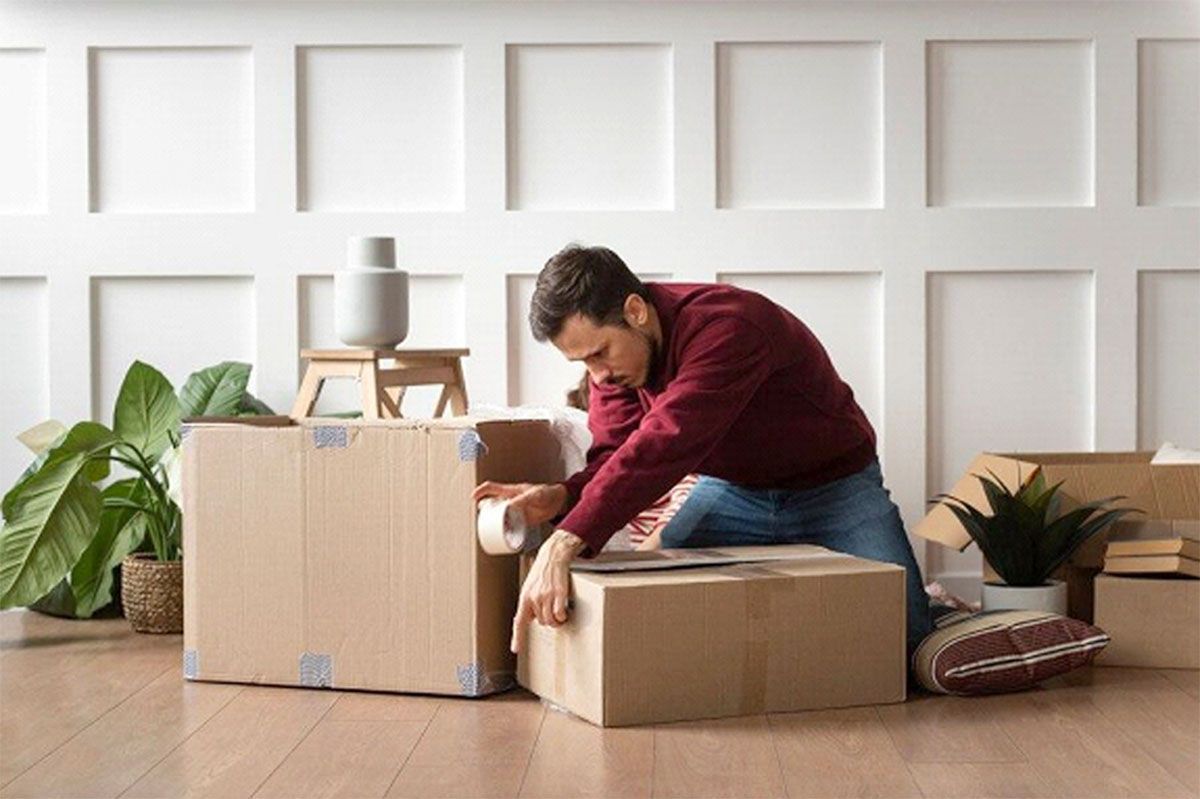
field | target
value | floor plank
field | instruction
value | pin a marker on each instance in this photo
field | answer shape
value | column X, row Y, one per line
column 732, row 757
column 1079, row 752
column 1187, row 680
column 835, row 753
column 473, row 748
column 979, row 781
column 57, row 676
column 344, row 758
column 239, row 747
column 1150, row 710
column 574, row 758
column 111, row 754
column 951, row 729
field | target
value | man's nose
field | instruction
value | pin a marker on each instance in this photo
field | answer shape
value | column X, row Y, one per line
column 600, row 375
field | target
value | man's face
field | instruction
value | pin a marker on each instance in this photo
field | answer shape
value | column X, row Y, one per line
column 613, row 354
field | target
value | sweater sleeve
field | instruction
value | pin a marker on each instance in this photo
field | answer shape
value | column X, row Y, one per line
column 722, row 365
column 613, row 414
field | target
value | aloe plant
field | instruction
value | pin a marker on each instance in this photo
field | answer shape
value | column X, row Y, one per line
column 61, row 530
column 1023, row 537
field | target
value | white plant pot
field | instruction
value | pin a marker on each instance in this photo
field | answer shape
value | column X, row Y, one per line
column 1051, row 597
column 370, row 296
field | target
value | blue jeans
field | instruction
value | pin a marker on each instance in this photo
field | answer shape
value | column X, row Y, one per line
column 854, row 515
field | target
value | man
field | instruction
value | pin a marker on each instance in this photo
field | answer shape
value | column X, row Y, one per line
column 709, row 379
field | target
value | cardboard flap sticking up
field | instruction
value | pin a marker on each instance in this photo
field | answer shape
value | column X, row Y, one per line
column 1158, row 491
column 941, row 525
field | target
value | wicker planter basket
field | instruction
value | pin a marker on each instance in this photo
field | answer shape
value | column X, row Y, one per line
column 152, row 593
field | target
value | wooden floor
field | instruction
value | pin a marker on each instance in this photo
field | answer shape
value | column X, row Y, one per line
column 90, row 709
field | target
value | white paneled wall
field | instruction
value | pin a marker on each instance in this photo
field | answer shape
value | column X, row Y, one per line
column 987, row 211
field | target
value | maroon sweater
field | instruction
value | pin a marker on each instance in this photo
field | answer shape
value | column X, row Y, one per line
column 743, row 391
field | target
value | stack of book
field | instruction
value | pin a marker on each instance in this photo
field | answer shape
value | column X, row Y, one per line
column 1154, row 546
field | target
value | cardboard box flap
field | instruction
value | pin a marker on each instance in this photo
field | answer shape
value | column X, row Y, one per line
column 941, row 525
column 1157, row 491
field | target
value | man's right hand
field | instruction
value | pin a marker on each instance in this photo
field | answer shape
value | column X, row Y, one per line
column 538, row 502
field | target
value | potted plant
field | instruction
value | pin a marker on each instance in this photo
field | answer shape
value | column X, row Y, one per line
column 1025, row 539
column 64, row 535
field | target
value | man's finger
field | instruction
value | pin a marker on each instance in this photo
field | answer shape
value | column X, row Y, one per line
column 485, row 489
column 542, row 607
column 560, row 606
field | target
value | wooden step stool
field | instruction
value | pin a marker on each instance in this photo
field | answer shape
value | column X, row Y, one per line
column 383, row 387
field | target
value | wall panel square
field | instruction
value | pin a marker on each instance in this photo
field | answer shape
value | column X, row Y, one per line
column 800, row 125
column 1010, row 123
column 25, row 364
column 590, row 126
column 380, row 128
column 1169, row 358
column 22, row 130
column 1169, row 122
column 178, row 325
column 172, row 129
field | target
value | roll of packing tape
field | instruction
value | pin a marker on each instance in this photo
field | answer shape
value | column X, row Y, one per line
column 502, row 528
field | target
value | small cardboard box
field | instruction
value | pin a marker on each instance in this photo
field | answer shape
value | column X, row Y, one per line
column 1153, row 622
column 808, row 628
column 343, row 554
column 1159, row 491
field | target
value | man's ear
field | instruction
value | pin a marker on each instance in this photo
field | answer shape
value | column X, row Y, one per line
column 636, row 311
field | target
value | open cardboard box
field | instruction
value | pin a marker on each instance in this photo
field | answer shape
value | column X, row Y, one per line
column 1158, row 491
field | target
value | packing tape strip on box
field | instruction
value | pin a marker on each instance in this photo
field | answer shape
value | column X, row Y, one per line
column 502, row 529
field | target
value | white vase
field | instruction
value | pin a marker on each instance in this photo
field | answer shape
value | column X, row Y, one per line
column 370, row 295
column 1050, row 597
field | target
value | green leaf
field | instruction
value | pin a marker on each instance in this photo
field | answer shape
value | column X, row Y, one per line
column 215, row 391
column 85, row 438
column 253, row 406
column 122, row 528
column 54, row 519
column 58, row 601
column 147, row 411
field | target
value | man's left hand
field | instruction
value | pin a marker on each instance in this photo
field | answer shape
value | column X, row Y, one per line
column 547, row 586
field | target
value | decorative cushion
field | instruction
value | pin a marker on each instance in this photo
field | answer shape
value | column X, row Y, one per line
column 1004, row 650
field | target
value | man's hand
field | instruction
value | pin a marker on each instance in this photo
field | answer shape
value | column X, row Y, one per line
column 545, row 592
column 537, row 501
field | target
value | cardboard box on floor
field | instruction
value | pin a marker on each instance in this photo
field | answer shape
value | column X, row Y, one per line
column 1160, row 491
column 808, row 628
column 343, row 553
column 1154, row 622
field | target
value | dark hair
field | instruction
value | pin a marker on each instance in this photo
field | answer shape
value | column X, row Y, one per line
column 592, row 281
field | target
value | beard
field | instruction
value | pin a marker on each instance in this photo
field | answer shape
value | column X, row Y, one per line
column 653, row 359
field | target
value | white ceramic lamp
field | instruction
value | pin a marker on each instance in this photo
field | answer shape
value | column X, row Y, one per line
column 370, row 295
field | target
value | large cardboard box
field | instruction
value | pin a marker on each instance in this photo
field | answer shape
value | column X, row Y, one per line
column 1153, row 622
column 807, row 629
column 1159, row 491
column 344, row 554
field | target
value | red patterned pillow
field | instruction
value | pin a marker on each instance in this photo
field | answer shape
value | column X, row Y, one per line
column 1005, row 650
